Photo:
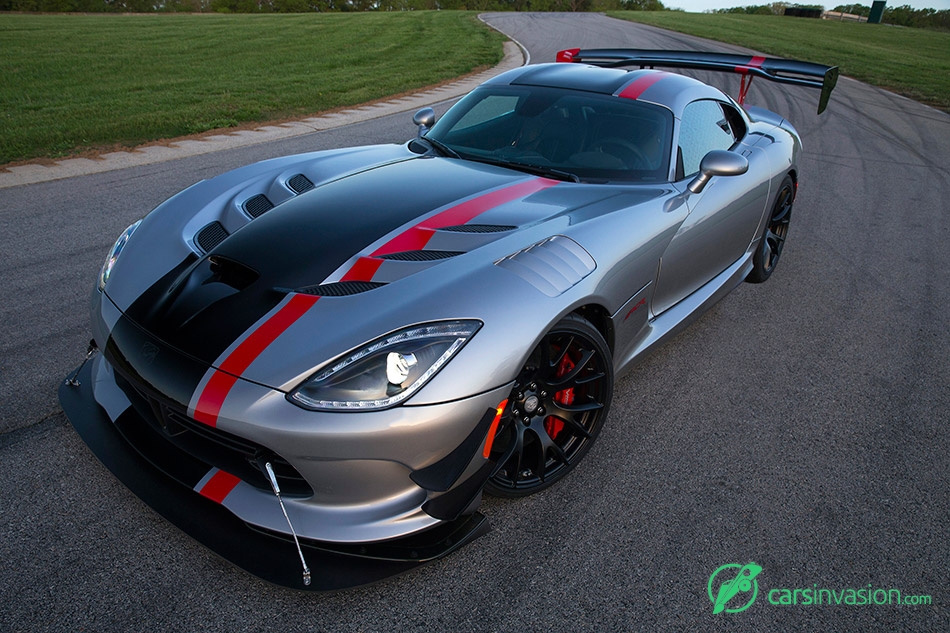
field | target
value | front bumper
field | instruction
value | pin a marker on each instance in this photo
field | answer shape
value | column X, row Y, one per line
column 267, row 553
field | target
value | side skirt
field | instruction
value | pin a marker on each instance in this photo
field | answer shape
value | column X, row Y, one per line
column 684, row 313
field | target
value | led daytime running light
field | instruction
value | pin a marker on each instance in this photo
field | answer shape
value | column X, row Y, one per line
column 375, row 357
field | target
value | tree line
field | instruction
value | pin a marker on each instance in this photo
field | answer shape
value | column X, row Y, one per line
column 306, row 6
column 903, row 15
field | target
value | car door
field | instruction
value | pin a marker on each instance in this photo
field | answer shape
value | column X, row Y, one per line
column 723, row 217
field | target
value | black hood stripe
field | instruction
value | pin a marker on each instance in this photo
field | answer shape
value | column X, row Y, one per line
column 205, row 305
column 417, row 236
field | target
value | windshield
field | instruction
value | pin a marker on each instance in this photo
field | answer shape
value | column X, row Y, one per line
column 591, row 136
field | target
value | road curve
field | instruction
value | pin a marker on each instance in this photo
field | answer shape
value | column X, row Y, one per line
column 800, row 424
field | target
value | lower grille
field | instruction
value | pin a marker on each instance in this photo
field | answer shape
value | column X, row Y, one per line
column 208, row 445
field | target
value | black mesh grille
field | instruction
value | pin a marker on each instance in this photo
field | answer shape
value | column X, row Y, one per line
column 420, row 256
column 201, row 445
column 258, row 205
column 300, row 183
column 210, row 236
column 340, row 289
column 478, row 228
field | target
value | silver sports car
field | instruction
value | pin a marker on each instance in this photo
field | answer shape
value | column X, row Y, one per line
column 325, row 359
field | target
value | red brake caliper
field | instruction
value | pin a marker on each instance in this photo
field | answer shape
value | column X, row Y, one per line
column 564, row 397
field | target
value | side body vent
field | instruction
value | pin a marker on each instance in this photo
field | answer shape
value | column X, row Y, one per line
column 552, row 265
column 210, row 236
column 340, row 289
column 478, row 228
column 258, row 205
column 419, row 256
column 300, row 183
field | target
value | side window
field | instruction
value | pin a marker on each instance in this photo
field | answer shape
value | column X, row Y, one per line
column 705, row 127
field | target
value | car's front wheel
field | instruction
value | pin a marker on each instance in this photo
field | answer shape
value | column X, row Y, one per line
column 776, row 230
column 558, row 406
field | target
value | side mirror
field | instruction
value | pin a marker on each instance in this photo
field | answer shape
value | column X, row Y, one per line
column 718, row 162
column 425, row 119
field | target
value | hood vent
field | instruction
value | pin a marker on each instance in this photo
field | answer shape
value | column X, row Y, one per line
column 231, row 273
column 478, row 228
column 300, row 183
column 552, row 266
column 419, row 256
column 210, row 236
column 340, row 289
column 258, row 205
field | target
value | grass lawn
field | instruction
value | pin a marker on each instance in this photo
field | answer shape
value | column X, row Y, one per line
column 70, row 83
column 911, row 62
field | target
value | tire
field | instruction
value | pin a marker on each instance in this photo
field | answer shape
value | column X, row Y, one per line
column 558, row 406
column 773, row 237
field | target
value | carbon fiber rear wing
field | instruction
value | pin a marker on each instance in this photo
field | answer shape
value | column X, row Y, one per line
column 788, row 71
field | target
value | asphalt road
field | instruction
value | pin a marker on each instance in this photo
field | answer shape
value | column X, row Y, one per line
column 800, row 424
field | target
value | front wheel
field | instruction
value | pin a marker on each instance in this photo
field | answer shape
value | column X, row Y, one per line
column 558, row 406
column 773, row 238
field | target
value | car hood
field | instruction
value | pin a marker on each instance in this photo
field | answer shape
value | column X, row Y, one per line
column 374, row 226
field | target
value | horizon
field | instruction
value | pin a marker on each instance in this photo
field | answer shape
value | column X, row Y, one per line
column 700, row 6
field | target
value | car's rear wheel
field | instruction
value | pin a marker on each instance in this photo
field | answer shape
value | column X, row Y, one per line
column 558, row 406
column 773, row 238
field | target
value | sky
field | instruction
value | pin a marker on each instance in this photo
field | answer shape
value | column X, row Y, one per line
column 698, row 6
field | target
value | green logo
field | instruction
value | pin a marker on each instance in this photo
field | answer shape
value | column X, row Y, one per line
column 731, row 585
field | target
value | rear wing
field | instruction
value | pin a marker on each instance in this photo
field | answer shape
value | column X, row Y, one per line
column 788, row 71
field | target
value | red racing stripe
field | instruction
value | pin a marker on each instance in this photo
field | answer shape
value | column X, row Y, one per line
column 219, row 486
column 755, row 62
column 639, row 86
column 363, row 269
column 416, row 237
column 223, row 379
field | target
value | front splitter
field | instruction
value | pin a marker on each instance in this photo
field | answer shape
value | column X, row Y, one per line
column 267, row 555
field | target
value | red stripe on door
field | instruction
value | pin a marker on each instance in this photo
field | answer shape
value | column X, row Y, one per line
column 639, row 86
column 219, row 486
column 416, row 237
column 223, row 379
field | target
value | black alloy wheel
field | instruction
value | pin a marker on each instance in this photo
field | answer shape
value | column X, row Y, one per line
column 556, row 410
column 776, row 231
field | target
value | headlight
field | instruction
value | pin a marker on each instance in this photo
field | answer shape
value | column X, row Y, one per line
column 114, row 254
column 386, row 371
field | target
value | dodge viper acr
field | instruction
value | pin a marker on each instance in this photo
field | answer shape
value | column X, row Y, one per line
column 324, row 360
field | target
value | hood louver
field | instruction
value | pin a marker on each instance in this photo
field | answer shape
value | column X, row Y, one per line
column 419, row 256
column 210, row 236
column 478, row 228
column 340, row 289
column 300, row 183
column 258, row 205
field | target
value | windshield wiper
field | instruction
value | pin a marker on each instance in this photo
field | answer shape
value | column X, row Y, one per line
column 538, row 170
column 442, row 148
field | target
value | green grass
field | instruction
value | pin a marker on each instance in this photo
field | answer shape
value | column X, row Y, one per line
column 911, row 62
column 70, row 83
